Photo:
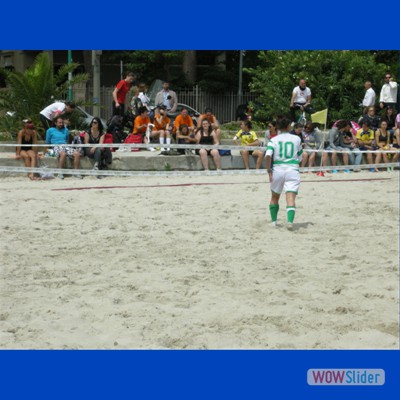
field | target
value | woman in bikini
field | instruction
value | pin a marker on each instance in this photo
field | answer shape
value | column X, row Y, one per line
column 206, row 135
column 27, row 136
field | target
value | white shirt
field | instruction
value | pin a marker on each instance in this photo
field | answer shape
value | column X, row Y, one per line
column 144, row 99
column 51, row 111
column 388, row 93
column 369, row 98
column 301, row 95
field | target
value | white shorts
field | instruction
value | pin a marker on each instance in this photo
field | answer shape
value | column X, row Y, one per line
column 285, row 179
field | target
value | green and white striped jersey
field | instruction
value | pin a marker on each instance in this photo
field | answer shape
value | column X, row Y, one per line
column 286, row 150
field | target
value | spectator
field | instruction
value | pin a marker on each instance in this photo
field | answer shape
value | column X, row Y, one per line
column 396, row 143
column 162, row 127
column 248, row 138
column 59, row 135
column 183, row 119
column 208, row 114
column 369, row 97
column 29, row 154
column 297, row 130
column 373, row 119
column 283, row 171
column 301, row 99
column 397, row 121
column 311, row 143
column 120, row 92
column 388, row 96
column 390, row 119
column 206, row 135
column 334, row 144
column 141, row 123
column 183, row 136
column 48, row 114
column 271, row 132
column 144, row 98
column 136, row 103
column 382, row 140
column 365, row 139
column 167, row 97
column 355, row 156
column 102, row 155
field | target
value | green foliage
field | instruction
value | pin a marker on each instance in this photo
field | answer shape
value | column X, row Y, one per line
column 29, row 92
column 336, row 79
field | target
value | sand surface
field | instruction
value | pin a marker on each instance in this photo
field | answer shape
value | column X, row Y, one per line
column 199, row 266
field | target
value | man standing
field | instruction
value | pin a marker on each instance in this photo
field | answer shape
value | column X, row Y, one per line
column 119, row 94
column 369, row 97
column 167, row 97
column 301, row 99
column 48, row 114
column 284, row 154
column 388, row 96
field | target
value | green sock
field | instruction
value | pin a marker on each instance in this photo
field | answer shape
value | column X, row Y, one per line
column 273, row 210
column 290, row 211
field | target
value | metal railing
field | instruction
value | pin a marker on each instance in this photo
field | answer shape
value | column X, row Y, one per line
column 224, row 105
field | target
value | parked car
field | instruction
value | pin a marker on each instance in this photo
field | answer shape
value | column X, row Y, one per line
column 191, row 111
column 85, row 118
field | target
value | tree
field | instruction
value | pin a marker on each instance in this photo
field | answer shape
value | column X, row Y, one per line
column 336, row 79
column 29, row 92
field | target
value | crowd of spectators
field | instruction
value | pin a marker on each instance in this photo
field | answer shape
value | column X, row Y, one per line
column 376, row 135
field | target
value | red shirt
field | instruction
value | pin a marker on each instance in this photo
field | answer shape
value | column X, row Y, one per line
column 123, row 88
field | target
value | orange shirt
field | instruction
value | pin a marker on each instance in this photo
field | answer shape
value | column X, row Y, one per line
column 179, row 120
column 166, row 121
column 211, row 118
column 140, row 121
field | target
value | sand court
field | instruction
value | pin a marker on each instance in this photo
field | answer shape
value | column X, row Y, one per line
column 192, row 263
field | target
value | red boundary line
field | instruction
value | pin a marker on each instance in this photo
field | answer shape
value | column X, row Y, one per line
column 210, row 184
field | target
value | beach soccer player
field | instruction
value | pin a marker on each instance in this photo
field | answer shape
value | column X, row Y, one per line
column 284, row 153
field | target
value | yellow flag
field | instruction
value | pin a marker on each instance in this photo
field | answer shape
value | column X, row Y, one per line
column 320, row 117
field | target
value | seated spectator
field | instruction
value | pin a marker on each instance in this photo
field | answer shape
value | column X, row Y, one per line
column 347, row 142
column 141, row 123
column 29, row 154
column 390, row 118
column 248, row 138
column 311, row 142
column 212, row 120
column 183, row 136
column 102, row 155
column 397, row 121
column 162, row 127
column 396, row 145
column 206, row 135
column 373, row 119
column 183, row 119
column 382, row 140
column 59, row 135
column 334, row 144
column 271, row 132
column 297, row 131
column 365, row 139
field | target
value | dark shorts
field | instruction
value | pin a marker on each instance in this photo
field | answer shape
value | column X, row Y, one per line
column 208, row 151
